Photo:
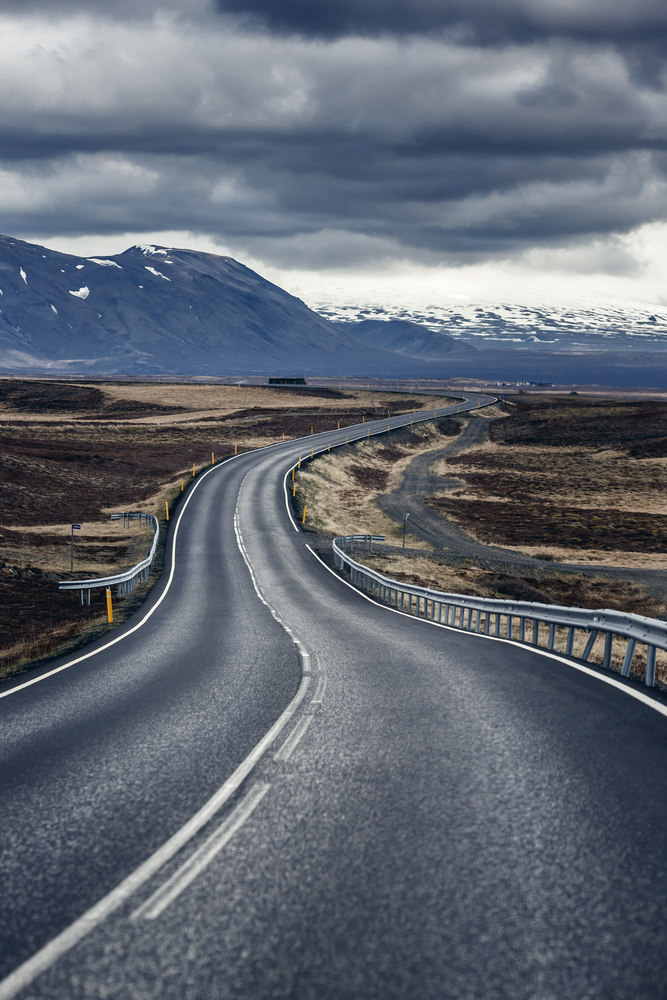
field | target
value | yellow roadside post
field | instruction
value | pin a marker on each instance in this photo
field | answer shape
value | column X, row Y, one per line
column 193, row 470
column 363, row 420
column 109, row 606
column 414, row 409
column 339, row 425
column 166, row 508
column 235, row 449
column 212, row 458
column 292, row 475
column 182, row 485
column 299, row 466
column 312, row 452
column 329, row 448
column 303, row 519
column 294, row 491
column 346, row 439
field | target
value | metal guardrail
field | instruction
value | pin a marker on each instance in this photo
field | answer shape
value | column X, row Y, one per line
column 445, row 608
column 127, row 581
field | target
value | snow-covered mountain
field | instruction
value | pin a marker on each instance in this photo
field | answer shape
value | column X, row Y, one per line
column 602, row 326
column 157, row 310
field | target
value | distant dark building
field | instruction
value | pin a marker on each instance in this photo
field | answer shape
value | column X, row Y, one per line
column 287, row 381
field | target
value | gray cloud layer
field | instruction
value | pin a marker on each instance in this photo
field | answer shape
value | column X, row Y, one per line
column 318, row 134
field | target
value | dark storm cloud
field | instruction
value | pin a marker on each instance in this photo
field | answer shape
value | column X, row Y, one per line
column 314, row 154
column 486, row 21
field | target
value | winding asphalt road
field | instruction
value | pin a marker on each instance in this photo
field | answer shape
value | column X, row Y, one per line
column 267, row 786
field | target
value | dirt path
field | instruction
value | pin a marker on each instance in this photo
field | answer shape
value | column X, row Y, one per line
column 451, row 541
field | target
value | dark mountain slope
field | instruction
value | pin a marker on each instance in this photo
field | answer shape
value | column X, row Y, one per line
column 151, row 310
column 410, row 339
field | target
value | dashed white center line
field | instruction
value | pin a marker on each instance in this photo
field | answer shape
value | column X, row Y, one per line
column 319, row 690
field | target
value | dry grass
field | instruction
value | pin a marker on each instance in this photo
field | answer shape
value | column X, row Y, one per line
column 579, row 481
column 341, row 488
column 123, row 546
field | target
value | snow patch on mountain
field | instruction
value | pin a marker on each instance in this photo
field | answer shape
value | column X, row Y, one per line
column 149, row 250
column 158, row 273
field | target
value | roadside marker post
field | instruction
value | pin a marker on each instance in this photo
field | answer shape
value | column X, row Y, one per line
column 193, row 470
column 235, row 449
column 182, row 485
column 75, row 527
column 299, row 461
column 311, row 430
column 312, row 452
column 294, row 491
column 212, row 458
column 346, row 439
column 292, row 475
column 303, row 519
column 166, row 508
column 109, row 606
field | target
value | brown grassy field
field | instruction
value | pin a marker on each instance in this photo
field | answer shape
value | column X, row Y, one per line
column 574, row 479
column 340, row 489
column 75, row 452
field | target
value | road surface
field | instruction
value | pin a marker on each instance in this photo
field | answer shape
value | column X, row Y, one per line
column 269, row 786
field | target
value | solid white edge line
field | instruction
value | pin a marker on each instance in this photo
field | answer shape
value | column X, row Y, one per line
column 147, row 614
column 643, row 698
column 319, row 690
column 198, row 861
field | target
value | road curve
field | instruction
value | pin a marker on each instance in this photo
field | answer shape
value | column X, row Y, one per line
column 442, row 816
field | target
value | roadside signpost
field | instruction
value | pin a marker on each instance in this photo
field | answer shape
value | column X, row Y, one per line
column 75, row 527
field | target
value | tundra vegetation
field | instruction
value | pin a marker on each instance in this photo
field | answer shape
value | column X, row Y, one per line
column 76, row 452
column 574, row 482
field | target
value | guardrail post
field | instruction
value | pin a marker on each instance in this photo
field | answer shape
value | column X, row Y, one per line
column 440, row 612
column 569, row 645
column 650, row 666
column 608, row 639
column 510, row 623
column 589, row 644
column 552, row 636
column 497, row 623
column 628, row 658
column 487, row 623
column 522, row 629
column 478, row 620
column 88, row 601
column 536, row 632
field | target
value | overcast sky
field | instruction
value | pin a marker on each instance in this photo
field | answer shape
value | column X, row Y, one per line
column 463, row 145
